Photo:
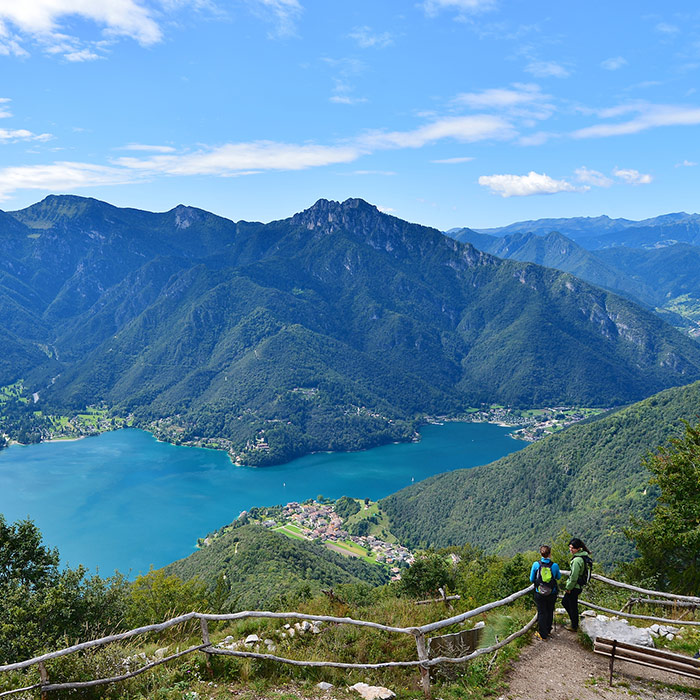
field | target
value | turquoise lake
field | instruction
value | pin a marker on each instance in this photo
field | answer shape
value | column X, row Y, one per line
column 123, row 500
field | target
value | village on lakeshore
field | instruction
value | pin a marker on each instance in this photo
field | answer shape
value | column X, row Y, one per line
column 317, row 520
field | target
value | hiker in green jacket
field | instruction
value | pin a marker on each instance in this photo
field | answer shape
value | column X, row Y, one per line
column 580, row 572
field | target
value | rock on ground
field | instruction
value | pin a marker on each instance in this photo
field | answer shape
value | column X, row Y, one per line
column 373, row 692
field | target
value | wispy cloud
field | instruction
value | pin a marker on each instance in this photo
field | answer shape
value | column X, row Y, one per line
column 503, row 98
column 450, row 161
column 461, row 7
column 366, row 38
column 235, row 158
column 666, row 28
column 526, row 185
column 238, row 159
column 147, row 147
column 649, row 116
column 11, row 135
column 283, row 14
column 60, row 176
column 632, row 177
column 686, row 164
column 614, row 63
column 5, row 108
column 547, row 69
column 592, row 177
column 467, row 129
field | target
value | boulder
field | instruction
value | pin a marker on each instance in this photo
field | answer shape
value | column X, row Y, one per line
column 373, row 692
column 252, row 639
column 612, row 628
column 324, row 686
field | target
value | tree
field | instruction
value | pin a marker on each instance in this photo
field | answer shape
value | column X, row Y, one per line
column 43, row 606
column 23, row 557
column 426, row 575
column 669, row 544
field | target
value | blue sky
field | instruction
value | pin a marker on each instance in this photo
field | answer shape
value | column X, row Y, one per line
column 443, row 112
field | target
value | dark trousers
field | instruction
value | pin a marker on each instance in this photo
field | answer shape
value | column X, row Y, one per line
column 570, row 603
column 545, row 613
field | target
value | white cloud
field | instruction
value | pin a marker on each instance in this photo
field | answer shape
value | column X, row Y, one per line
column 632, row 177
column 367, row 39
column 59, row 177
column 4, row 107
column 459, row 159
column 513, row 98
column 686, row 164
column 666, row 28
column 81, row 56
column 42, row 18
column 537, row 139
column 7, row 135
column 614, row 63
column 237, row 158
column 547, row 69
column 466, row 129
column 344, row 99
column 283, row 13
column 526, row 185
column 592, row 177
column 147, row 147
column 650, row 116
column 463, row 7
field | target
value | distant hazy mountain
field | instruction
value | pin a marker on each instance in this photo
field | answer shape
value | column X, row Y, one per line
column 603, row 232
column 588, row 479
column 333, row 329
column 666, row 278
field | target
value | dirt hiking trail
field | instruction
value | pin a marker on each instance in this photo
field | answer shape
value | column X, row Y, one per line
column 561, row 668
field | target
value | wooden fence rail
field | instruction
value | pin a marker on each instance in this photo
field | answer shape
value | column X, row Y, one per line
column 423, row 662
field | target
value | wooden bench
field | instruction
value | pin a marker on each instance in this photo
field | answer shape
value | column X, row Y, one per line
column 647, row 656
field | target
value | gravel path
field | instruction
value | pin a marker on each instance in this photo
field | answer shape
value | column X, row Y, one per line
column 560, row 668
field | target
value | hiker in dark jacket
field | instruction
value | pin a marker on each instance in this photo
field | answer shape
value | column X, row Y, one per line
column 579, row 553
column 545, row 574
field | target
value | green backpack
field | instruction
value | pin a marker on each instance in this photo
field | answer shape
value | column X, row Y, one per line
column 544, row 579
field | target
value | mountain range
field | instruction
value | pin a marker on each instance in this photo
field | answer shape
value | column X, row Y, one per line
column 664, row 277
column 603, row 232
column 337, row 328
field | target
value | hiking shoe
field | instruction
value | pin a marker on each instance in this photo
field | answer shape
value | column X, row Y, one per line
column 696, row 655
column 570, row 628
column 540, row 637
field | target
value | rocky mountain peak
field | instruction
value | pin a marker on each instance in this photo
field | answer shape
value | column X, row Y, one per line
column 330, row 215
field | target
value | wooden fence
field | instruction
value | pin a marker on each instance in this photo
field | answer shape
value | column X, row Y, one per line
column 423, row 662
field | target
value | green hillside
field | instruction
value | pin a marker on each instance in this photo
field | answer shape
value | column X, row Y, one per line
column 262, row 567
column 587, row 479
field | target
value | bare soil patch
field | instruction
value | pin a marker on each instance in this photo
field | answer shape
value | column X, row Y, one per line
column 561, row 668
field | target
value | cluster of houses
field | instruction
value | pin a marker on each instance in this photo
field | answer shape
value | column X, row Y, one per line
column 320, row 521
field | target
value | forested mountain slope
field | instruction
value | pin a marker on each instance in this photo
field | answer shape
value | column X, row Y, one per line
column 262, row 567
column 334, row 329
column 588, row 479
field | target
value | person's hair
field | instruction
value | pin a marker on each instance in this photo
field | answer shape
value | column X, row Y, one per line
column 576, row 543
column 545, row 550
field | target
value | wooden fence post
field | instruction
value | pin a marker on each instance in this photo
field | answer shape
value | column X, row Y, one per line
column 612, row 660
column 44, row 680
column 206, row 640
column 424, row 670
